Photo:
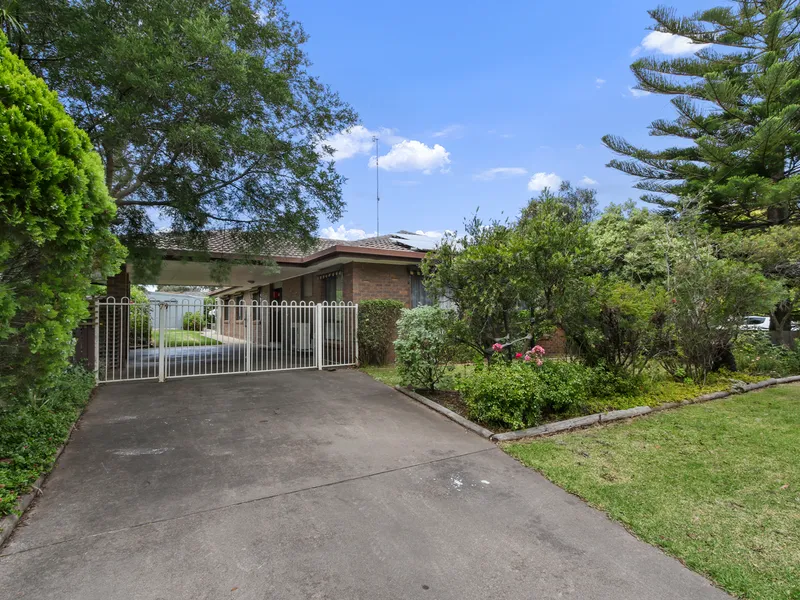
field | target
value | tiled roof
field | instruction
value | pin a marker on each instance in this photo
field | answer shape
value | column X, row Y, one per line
column 225, row 242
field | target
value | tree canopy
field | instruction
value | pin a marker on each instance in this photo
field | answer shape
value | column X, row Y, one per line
column 738, row 116
column 204, row 113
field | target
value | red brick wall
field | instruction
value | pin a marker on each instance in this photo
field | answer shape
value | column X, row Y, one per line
column 554, row 343
column 385, row 282
column 292, row 289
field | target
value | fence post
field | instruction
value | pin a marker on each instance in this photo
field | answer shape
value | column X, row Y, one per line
column 318, row 335
column 218, row 316
column 248, row 333
column 356, row 334
column 96, row 341
column 162, row 358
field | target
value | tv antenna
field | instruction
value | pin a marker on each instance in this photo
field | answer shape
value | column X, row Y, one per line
column 376, row 139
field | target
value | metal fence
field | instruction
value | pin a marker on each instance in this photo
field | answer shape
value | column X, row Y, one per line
column 133, row 342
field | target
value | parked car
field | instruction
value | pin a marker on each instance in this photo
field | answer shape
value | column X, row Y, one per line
column 756, row 323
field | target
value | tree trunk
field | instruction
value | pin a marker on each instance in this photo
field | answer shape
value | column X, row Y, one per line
column 780, row 325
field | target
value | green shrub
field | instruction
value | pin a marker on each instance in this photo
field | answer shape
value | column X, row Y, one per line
column 194, row 321
column 32, row 429
column 141, row 313
column 55, row 219
column 424, row 346
column 377, row 321
column 518, row 395
column 755, row 353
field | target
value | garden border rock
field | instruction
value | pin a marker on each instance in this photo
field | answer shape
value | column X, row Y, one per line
column 616, row 415
column 454, row 416
column 9, row 523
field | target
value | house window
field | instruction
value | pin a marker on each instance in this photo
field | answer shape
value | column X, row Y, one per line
column 334, row 288
column 239, row 307
column 419, row 295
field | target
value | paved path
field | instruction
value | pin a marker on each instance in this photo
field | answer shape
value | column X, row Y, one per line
column 310, row 485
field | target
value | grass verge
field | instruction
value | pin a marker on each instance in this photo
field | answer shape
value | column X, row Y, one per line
column 716, row 485
column 32, row 429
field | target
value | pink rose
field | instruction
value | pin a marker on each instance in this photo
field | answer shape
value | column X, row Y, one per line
column 527, row 358
column 539, row 362
column 518, row 355
column 497, row 347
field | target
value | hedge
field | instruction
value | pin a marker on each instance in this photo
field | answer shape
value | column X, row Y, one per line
column 377, row 322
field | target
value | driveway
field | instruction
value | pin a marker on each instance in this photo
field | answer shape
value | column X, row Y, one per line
column 310, row 485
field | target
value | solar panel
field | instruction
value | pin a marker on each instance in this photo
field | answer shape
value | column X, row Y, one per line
column 417, row 242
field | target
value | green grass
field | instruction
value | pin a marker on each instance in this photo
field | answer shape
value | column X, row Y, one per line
column 178, row 337
column 32, row 429
column 716, row 485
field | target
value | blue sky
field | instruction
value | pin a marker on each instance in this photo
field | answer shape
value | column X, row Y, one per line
column 462, row 88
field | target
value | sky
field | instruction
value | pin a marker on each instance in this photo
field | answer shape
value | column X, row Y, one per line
column 480, row 105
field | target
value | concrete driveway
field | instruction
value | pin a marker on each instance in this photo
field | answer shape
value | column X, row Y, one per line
column 310, row 485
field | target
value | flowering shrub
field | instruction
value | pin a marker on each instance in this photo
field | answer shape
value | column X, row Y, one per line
column 424, row 346
column 518, row 394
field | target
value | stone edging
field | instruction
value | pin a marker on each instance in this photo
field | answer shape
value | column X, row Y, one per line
column 616, row 415
column 474, row 427
column 9, row 522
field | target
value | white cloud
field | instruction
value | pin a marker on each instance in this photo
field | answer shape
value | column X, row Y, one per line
column 343, row 233
column 579, row 147
column 599, row 82
column 586, row 180
column 539, row 181
column 412, row 155
column 668, row 43
column 450, row 131
column 357, row 140
column 636, row 93
column 499, row 172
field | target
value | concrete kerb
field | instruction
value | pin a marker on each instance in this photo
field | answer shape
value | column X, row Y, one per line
column 474, row 427
column 616, row 415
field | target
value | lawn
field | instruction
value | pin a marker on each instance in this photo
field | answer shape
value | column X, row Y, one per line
column 178, row 337
column 717, row 485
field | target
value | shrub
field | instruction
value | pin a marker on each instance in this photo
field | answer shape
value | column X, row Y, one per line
column 194, row 321
column 141, row 313
column 377, row 321
column 32, row 429
column 755, row 353
column 424, row 346
column 518, row 394
column 54, row 228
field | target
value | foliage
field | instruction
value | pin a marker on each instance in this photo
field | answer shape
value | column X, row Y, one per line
column 479, row 275
column 31, row 430
column 737, row 104
column 55, row 214
column 519, row 394
column 205, row 114
column 755, row 353
column 377, row 322
column 141, row 313
column 194, row 321
column 713, row 484
column 424, row 347
column 708, row 300
column 614, row 323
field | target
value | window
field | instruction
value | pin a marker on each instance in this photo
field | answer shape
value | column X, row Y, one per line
column 334, row 287
column 239, row 308
column 419, row 295
column 307, row 284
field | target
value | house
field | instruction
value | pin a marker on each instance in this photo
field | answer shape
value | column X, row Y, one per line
column 184, row 303
column 381, row 267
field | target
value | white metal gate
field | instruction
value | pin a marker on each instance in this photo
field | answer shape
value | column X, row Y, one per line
column 193, row 338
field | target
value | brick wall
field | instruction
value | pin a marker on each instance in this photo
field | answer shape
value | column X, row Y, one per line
column 554, row 343
column 385, row 282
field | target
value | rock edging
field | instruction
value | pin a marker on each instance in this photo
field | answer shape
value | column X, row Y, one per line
column 474, row 427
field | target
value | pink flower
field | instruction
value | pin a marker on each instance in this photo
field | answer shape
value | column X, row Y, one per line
column 527, row 358
column 539, row 362
column 538, row 350
column 518, row 355
column 497, row 347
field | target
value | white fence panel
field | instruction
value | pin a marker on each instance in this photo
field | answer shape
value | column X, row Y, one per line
column 194, row 338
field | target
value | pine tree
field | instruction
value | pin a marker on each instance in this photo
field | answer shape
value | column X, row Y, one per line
column 738, row 104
